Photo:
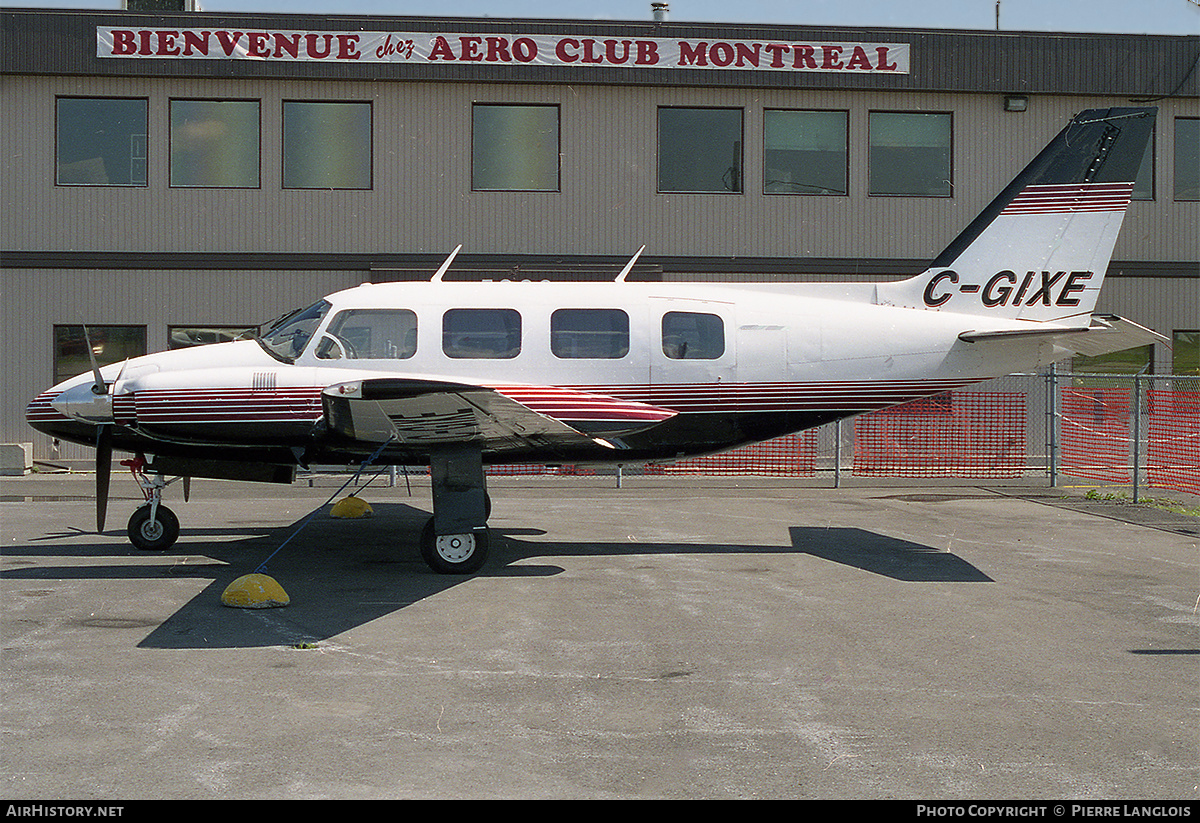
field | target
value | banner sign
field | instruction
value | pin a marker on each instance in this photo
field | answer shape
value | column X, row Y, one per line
column 425, row 48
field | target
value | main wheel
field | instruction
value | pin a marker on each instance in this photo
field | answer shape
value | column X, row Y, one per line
column 154, row 535
column 454, row 553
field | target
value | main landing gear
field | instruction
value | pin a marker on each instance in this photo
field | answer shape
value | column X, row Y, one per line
column 455, row 539
column 153, row 527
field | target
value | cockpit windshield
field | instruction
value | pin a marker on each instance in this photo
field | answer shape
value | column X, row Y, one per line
column 286, row 337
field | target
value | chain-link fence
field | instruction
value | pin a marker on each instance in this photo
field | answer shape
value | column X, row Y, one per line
column 1137, row 430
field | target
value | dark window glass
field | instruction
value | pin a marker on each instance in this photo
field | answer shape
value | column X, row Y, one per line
column 214, row 143
column 692, row 336
column 109, row 344
column 1185, row 352
column 183, row 337
column 910, row 154
column 514, row 148
column 1143, row 184
column 805, row 152
column 376, row 334
column 326, row 145
column 589, row 333
column 1187, row 158
column 699, row 150
column 1138, row 360
column 481, row 333
column 101, row 141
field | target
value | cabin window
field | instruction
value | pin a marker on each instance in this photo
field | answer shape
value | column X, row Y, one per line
column 1187, row 158
column 101, row 141
column 514, row 148
column 109, row 344
column 215, row 144
column 370, row 334
column 910, row 153
column 481, row 333
column 805, row 152
column 692, row 336
column 699, row 150
column 184, row 337
column 600, row 334
column 326, row 145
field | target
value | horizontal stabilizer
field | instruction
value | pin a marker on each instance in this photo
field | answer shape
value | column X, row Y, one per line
column 1108, row 333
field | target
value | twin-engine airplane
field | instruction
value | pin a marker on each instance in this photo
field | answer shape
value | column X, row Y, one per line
column 460, row 375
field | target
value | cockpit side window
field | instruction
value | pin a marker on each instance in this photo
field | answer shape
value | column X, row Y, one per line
column 287, row 337
column 370, row 334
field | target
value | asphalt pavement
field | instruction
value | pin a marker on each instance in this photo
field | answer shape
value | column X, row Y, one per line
column 674, row 637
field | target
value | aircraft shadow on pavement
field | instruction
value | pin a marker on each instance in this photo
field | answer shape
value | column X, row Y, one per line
column 341, row 574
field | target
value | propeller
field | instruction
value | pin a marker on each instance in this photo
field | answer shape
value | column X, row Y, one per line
column 103, row 473
column 103, row 439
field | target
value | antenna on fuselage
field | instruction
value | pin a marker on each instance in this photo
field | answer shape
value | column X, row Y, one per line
column 437, row 275
column 629, row 266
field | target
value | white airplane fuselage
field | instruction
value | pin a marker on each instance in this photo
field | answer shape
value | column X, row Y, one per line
column 788, row 360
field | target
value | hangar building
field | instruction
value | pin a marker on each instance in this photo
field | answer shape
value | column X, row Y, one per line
column 175, row 178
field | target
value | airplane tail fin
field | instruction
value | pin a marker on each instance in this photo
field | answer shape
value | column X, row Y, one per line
column 1040, row 250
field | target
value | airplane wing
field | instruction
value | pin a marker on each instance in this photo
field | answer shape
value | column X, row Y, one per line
column 1108, row 333
column 509, row 418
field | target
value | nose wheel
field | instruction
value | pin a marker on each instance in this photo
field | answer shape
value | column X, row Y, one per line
column 153, row 528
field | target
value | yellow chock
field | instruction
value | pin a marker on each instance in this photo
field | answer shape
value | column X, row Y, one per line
column 351, row 507
column 255, row 591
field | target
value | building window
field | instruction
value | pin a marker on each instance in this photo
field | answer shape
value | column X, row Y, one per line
column 1138, row 360
column 1187, row 158
column 326, row 145
column 1143, row 184
column 514, row 148
column 692, row 336
column 109, row 344
column 910, row 154
column 481, row 333
column 215, row 144
column 184, row 337
column 589, row 333
column 1185, row 352
column 700, row 150
column 805, row 152
column 101, row 141
column 370, row 334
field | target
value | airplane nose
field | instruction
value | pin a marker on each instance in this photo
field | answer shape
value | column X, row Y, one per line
column 80, row 402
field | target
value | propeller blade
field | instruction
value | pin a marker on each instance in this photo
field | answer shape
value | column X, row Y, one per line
column 98, row 387
column 103, row 472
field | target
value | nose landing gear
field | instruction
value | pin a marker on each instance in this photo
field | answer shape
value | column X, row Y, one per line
column 153, row 527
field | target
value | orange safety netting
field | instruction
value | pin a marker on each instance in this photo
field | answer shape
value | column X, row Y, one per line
column 1173, row 440
column 956, row 434
column 1094, row 439
column 793, row 455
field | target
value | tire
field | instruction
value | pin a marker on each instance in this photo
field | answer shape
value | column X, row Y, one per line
column 153, row 535
column 454, row 553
